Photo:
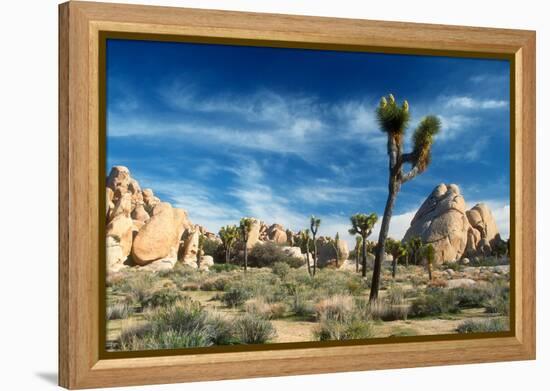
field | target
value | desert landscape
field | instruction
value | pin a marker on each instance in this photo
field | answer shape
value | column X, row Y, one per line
column 174, row 284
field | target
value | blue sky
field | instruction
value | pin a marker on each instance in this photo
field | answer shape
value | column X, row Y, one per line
column 280, row 134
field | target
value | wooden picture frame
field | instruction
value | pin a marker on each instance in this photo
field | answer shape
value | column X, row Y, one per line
column 81, row 363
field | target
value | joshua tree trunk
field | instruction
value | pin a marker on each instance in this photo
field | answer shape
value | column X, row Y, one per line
column 430, row 270
column 394, row 267
column 384, row 228
column 357, row 260
column 314, row 255
column 307, row 257
column 364, row 250
column 245, row 256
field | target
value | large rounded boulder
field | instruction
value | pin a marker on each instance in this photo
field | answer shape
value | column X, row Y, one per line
column 160, row 236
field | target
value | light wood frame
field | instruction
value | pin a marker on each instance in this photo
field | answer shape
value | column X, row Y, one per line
column 80, row 24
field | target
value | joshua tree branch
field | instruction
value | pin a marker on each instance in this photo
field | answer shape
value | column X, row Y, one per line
column 409, row 175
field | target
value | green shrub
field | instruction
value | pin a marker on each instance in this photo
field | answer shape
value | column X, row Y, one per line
column 216, row 283
column 332, row 330
column 236, row 295
column 268, row 253
column 280, row 269
column 162, row 297
column 484, row 326
column 253, row 329
column 435, row 301
column 182, row 325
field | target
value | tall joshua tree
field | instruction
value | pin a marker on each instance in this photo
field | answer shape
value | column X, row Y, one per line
column 358, row 245
column 304, row 245
column 397, row 250
column 228, row 235
column 314, row 224
column 362, row 224
column 245, row 227
column 393, row 120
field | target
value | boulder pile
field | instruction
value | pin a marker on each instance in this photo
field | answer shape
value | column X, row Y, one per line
column 455, row 232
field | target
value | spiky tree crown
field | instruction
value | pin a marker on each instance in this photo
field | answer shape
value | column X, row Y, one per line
column 395, row 248
column 423, row 139
column 245, row 226
column 228, row 234
column 392, row 118
column 429, row 252
column 362, row 224
column 314, row 224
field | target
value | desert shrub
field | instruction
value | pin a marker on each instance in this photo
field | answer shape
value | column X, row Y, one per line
column 498, row 301
column 300, row 301
column 216, row 283
column 119, row 311
column 259, row 284
column 268, row 253
column 329, row 282
column 484, row 326
column 253, row 329
column 161, row 297
column 183, row 325
column 395, row 295
column 332, row 330
column 235, row 295
column 434, row 301
column 281, row 269
column 220, row 330
column 264, row 309
column 383, row 310
column 138, row 285
column 223, row 267
column 337, row 307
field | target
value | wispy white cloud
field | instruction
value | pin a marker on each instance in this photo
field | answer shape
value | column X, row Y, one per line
column 467, row 102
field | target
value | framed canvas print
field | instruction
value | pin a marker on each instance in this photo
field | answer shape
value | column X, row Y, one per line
column 247, row 195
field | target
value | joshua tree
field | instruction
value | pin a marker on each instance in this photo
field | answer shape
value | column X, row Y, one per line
column 199, row 249
column 335, row 243
column 362, row 224
column 314, row 226
column 393, row 120
column 429, row 254
column 358, row 245
column 414, row 247
column 245, row 227
column 397, row 250
column 304, row 246
column 228, row 234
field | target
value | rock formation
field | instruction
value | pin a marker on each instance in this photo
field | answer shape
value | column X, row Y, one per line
column 455, row 232
column 140, row 229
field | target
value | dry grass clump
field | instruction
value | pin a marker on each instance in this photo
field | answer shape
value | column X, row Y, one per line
column 337, row 307
column 266, row 310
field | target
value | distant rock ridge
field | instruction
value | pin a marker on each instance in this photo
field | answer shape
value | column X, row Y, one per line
column 443, row 221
